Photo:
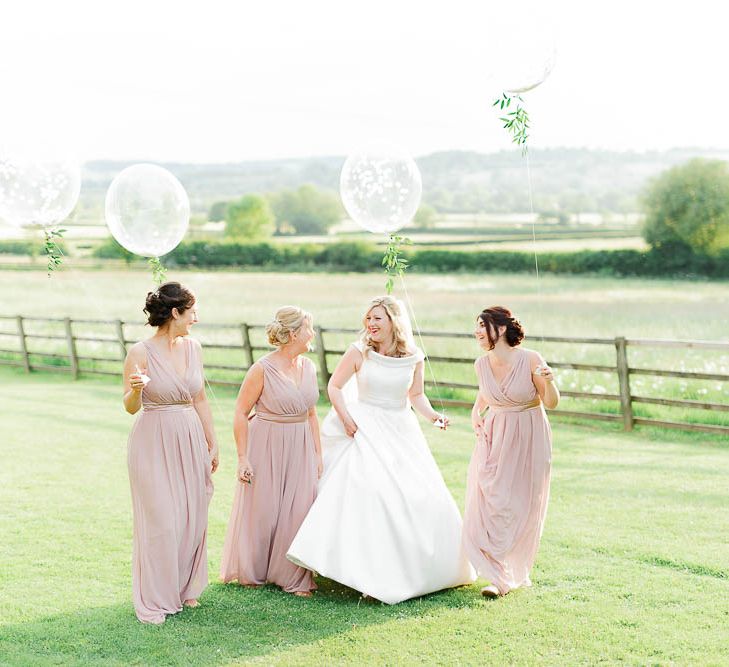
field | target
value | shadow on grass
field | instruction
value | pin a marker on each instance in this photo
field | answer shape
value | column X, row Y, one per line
column 231, row 622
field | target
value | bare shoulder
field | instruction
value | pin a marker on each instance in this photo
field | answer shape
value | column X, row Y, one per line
column 354, row 351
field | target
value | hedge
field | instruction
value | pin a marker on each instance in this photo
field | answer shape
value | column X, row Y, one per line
column 360, row 257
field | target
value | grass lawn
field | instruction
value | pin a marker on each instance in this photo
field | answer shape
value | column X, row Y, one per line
column 634, row 564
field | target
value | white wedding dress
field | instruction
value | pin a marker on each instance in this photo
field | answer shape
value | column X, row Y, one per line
column 384, row 522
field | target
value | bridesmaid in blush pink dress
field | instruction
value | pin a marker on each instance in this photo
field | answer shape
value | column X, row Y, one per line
column 279, row 460
column 171, row 456
column 508, row 477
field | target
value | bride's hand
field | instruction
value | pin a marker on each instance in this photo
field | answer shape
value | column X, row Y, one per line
column 319, row 467
column 350, row 428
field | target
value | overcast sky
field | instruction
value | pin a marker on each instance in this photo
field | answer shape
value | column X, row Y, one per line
column 230, row 81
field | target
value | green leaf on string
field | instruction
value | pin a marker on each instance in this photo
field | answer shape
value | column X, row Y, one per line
column 393, row 261
column 159, row 272
column 54, row 254
column 516, row 122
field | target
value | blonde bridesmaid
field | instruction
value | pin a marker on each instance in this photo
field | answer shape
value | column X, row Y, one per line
column 508, row 477
column 172, row 453
column 279, row 460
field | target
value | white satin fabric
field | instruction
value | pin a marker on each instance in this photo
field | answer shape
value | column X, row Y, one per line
column 384, row 522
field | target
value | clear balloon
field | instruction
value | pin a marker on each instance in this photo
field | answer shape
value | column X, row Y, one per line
column 381, row 189
column 522, row 50
column 38, row 191
column 147, row 210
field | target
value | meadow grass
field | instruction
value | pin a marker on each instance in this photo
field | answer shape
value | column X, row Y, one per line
column 632, row 568
column 586, row 306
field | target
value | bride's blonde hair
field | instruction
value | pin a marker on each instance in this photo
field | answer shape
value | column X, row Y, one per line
column 394, row 313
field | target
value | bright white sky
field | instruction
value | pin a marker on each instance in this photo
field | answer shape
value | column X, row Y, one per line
column 228, row 81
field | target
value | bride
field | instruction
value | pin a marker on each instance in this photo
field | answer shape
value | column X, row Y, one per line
column 384, row 522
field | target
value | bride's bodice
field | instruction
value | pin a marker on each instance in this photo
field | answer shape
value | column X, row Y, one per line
column 384, row 381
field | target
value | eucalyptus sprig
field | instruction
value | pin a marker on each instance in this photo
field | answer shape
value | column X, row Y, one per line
column 52, row 249
column 393, row 261
column 515, row 122
column 159, row 272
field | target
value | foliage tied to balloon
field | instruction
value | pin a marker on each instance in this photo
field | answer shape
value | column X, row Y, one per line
column 524, row 57
column 38, row 191
column 148, row 213
column 381, row 188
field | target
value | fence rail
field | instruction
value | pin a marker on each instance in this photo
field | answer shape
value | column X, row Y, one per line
column 28, row 358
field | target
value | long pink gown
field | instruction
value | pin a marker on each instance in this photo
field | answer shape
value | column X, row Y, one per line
column 170, row 477
column 508, row 478
column 267, row 514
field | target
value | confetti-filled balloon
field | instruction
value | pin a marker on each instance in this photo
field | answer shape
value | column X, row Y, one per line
column 147, row 210
column 381, row 189
column 38, row 191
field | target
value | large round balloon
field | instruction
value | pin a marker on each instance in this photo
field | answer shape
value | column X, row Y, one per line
column 38, row 191
column 381, row 188
column 147, row 210
column 521, row 49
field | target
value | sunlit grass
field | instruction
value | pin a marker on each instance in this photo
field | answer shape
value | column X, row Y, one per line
column 632, row 568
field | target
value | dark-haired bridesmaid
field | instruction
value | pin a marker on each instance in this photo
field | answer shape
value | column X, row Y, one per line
column 172, row 453
column 508, row 477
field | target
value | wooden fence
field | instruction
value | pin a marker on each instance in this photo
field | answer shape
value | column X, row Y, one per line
column 69, row 360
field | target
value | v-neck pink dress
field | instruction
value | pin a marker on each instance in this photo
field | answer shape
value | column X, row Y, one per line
column 170, row 477
column 267, row 514
column 508, row 477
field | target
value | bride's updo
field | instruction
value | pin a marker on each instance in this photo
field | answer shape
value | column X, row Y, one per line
column 394, row 313
column 288, row 320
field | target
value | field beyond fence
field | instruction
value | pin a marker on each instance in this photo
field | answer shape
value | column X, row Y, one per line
column 98, row 347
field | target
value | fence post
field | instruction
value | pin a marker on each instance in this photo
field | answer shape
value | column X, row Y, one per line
column 73, row 357
column 626, row 404
column 245, row 334
column 321, row 354
column 122, row 341
column 23, row 344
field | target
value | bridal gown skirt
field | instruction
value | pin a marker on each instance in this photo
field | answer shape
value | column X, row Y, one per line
column 384, row 522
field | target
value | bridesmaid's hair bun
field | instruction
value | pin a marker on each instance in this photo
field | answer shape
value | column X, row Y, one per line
column 159, row 304
column 498, row 316
column 288, row 320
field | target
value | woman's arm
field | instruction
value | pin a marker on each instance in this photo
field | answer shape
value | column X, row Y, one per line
column 420, row 400
column 544, row 381
column 134, row 365
column 250, row 392
column 348, row 365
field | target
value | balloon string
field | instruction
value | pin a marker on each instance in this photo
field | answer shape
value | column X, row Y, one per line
column 534, row 243
column 215, row 399
column 422, row 344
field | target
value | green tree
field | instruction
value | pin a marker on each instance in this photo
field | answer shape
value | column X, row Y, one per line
column 307, row 210
column 425, row 216
column 689, row 205
column 218, row 211
column 249, row 218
